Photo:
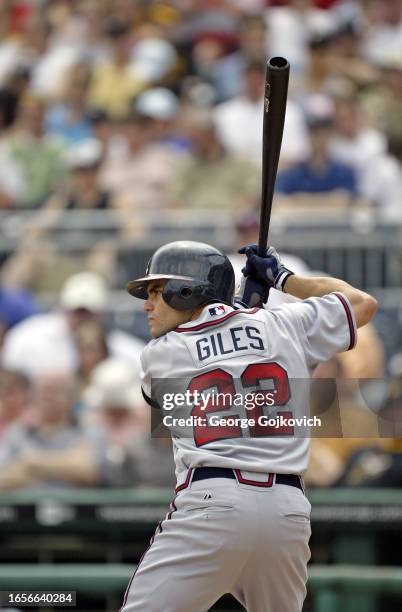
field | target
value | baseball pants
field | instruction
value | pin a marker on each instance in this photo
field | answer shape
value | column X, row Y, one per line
column 222, row 536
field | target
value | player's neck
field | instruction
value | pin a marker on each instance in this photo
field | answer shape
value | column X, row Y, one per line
column 196, row 313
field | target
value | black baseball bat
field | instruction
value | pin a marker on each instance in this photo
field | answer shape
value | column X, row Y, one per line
column 276, row 91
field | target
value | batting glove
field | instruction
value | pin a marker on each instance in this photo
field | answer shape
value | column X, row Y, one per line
column 252, row 293
column 268, row 269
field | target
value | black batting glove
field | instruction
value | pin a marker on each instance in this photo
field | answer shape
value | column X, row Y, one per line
column 268, row 270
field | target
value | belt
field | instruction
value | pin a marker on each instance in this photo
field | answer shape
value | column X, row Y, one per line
column 202, row 473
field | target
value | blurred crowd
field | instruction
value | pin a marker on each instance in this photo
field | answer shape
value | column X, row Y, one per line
column 134, row 104
column 138, row 107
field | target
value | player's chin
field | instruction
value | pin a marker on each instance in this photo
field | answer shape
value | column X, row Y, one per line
column 157, row 331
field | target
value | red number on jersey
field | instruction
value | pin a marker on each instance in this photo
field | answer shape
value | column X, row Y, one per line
column 281, row 391
column 222, row 382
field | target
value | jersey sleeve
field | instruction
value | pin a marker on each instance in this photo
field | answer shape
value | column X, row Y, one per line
column 145, row 376
column 328, row 326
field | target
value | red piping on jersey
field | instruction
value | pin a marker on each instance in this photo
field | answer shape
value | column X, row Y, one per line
column 350, row 320
column 211, row 323
column 186, row 482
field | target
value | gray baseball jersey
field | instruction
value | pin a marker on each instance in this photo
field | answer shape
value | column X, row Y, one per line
column 243, row 530
column 249, row 350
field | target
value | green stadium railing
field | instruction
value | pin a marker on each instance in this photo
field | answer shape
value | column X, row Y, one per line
column 351, row 518
column 352, row 588
column 328, row 583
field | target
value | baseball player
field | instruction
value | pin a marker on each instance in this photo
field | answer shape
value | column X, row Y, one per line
column 240, row 521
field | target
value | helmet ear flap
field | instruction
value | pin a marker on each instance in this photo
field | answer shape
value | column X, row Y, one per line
column 184, row 294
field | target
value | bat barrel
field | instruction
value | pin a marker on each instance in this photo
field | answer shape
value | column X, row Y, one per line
column 276, row 87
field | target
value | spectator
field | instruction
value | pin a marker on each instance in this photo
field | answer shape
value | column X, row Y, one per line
column 214, row 178
column 35, row 159
column 215, row 62
column 92, row 349
column 39, row 264
column 227, row 73
column 14, row 399
column 48, row 340
column 239, row 121
column 54, row 451
column 383, row 100
column 3, row 331
column 8, row 108
column 384, row 180
column 67, row 118
column 11, row 179
column 9, row 45
column 49, row 56
column 100, row 125
column 111, row 134
column 116, row 408
column 321, row 60
column 354, row 142
column 347, row 60
column 320, row 173
column 160, row 107
column 337, row 397
column 374, row 465
column 154, row 57
column 383, row 36
column 113, row 82
column 289, row 28
column 139, row 175
column 16, row 305
column 155, row 466
column 83, row 191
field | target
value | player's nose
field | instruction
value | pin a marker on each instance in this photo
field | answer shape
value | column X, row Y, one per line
column 148, row 305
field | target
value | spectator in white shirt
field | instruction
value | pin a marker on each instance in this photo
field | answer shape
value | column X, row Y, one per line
column 239, row 122
column 48, row 340
column 384, row 180
column 354, row 142
column 383, row 33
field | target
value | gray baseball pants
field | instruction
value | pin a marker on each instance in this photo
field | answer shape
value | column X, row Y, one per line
column 222, row 536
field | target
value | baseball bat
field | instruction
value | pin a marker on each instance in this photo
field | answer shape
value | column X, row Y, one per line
column 276, row 90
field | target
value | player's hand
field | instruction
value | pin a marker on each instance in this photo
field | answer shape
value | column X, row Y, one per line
column 252, row 292
column 268, row 269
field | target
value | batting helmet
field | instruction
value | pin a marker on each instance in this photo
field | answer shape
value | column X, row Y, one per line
column 196, row 274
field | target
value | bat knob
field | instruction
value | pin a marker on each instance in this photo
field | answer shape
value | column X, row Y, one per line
column 279, row 63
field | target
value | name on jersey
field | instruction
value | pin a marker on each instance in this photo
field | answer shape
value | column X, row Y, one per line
column 229, row 342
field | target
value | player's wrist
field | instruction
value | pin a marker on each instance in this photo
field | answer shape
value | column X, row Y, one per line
column 282, row 278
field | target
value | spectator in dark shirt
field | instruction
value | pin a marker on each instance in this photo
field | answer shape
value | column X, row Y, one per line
column 16, row 305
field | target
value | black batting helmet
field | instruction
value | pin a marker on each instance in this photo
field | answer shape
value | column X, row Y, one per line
column 196, row 274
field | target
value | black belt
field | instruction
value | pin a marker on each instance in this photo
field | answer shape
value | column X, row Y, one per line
column 203, row 473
